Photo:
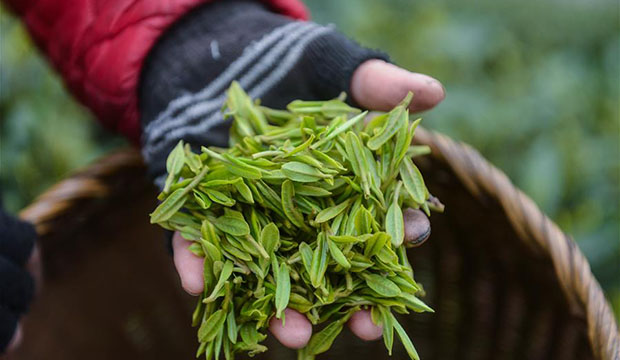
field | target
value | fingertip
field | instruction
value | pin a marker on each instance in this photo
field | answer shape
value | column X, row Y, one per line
column 362, row 326
column 427, row 91
column 296, row 331
column 379, row 85
column 188, row 265
column 417, row 227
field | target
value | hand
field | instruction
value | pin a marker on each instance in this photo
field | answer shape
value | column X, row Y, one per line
column 276, row 60
column 19, row 263
column 375, row 85
column 298, row 329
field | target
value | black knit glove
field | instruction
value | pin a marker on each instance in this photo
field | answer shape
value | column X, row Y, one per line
column 16, row 284
column 273, row 57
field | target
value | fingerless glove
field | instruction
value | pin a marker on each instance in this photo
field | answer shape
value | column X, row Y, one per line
column 273, row 57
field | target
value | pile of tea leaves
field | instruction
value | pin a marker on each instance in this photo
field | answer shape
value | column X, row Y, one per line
column 304, row 211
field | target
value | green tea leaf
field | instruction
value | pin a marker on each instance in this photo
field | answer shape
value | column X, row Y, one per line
column 388, row 328
column 300, row 172
column 382, row 285
column 413, row 181
column 346, row 239
column 375, row 243
column 418, row 150
column 210, row 327
column 283, row 289
column 270, row 238
column 196, row 249
column 403, row 146
column 306, row 256
column 319, row 262
column 363, row 221
column 322, row 341
column 288, row 204
column 219, row 197
column 225, row 274
column 234, row 165
column 176, row 159
column 250, row 335
column 308, row 190
column 327, row 160
column 395, row 120
column 357, row 158
column 300, row 303
column 376, row 123
column 337, row 255
column 341, row 129
column 330, row 108
column 198, row 312
column 202, row 199
column 231, row 323
column 394, row 223
column 404, row 338
column 192, row 160
column 174, row 164
column 217, row 345
column 331, row 212
column 170, row 206
column 303, row 146
column 249, row 240
column 415, row 304
column 232, row 223
column 360, row 263
column 244, row 191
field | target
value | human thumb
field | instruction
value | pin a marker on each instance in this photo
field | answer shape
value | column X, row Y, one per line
column 378, row 85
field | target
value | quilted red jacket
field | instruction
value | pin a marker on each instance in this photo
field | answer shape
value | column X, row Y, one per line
column 99, row 46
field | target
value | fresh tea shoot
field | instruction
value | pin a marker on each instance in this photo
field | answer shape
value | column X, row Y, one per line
column 304, row 211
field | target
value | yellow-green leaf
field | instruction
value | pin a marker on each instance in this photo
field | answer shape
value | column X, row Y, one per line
column 382, row 286
column 211, row 326
column 413, row 181
column 331, row 212
column 283, row 289
column 232, row 223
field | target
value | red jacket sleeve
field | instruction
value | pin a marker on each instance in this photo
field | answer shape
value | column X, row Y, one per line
column 99, row 46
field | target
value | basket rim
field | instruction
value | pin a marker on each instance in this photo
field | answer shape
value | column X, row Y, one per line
column 479, row 176
column 537, row 230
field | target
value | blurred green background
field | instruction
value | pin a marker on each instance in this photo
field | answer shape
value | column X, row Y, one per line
column 534, row 85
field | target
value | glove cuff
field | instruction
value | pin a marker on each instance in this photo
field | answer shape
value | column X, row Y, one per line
column 193, row 52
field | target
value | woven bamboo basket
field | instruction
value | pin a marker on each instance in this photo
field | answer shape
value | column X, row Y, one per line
column 504, row 280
